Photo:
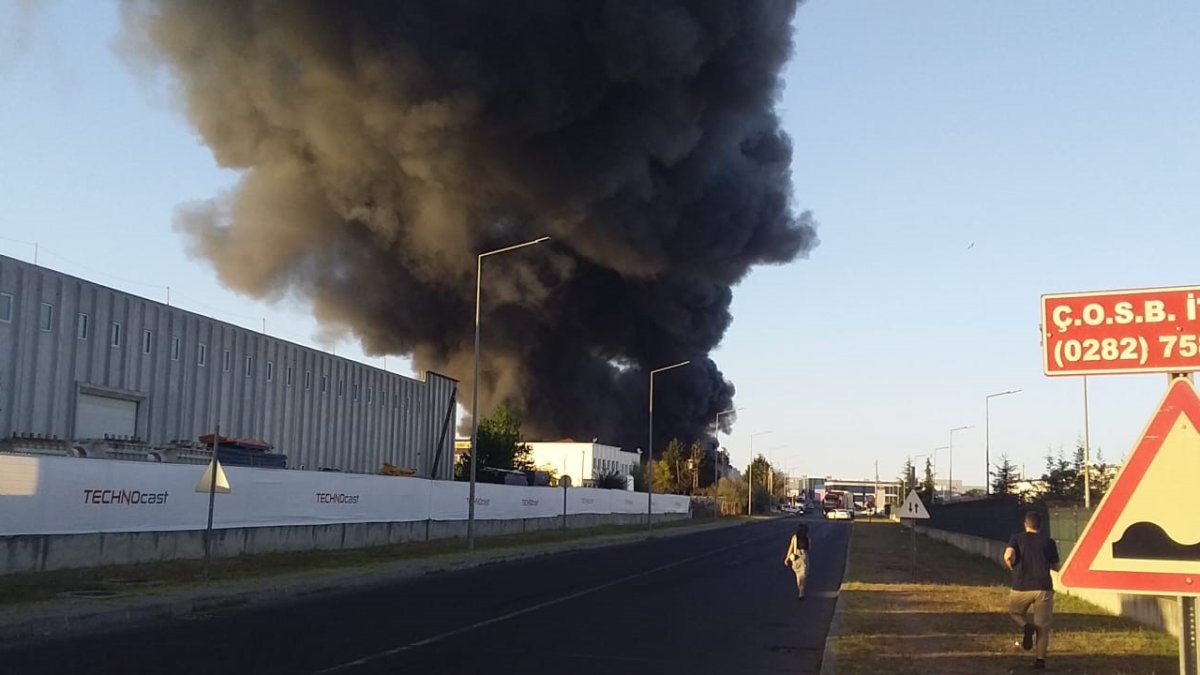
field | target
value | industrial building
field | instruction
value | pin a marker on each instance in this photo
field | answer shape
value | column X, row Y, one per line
column 88, row 370
column 583, row 461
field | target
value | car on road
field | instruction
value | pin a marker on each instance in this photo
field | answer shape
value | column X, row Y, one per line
column 839, row 514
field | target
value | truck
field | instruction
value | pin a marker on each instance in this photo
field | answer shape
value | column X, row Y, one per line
column 838, row 505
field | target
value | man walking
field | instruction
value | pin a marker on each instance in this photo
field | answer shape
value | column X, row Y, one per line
column 1031, row 555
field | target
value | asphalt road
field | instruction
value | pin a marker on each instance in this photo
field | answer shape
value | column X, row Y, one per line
column 719, row 601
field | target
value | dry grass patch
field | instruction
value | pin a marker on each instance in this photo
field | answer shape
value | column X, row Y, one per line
column 157, row 578
column 949, row 618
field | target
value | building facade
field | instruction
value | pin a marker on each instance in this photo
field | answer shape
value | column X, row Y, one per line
column 81, row 362
column 583, row 461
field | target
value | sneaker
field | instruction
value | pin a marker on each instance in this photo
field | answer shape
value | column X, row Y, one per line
column 1039, row 664
column 1027, row 637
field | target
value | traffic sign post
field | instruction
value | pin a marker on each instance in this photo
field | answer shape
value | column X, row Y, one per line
column 565, row 482
column 912, row 510
column 1138, row 541
column 212, row 482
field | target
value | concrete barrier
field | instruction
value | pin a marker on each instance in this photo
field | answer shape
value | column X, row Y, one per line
column 1155, row 612
column 43, row 553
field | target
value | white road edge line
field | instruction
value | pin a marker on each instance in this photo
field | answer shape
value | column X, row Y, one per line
column 526, row 610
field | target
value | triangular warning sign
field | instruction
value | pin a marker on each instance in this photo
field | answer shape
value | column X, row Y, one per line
column 206, row 481
column 1143, row 538
column 913, row 508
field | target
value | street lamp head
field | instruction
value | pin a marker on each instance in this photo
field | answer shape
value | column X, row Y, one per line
column 969, row 426
column 673, row 365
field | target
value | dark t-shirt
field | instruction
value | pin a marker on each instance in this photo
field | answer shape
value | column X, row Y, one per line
column 1035, row 556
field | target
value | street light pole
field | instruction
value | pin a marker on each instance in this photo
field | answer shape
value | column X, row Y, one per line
column 750, row 476
column 717, row 456
column 950, row 487
column 935, row 452
column 475, row 387
column 1087, row 451
column 650, row 445
column 987, row 433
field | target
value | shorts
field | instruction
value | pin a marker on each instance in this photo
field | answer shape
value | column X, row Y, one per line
column 1042, row 602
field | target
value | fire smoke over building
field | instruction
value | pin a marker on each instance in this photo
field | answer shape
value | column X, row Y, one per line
column 383, row 145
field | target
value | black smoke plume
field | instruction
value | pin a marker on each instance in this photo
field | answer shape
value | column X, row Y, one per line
column 384, row 144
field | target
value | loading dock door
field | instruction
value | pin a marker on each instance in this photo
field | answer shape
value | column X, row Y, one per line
column 96, row 416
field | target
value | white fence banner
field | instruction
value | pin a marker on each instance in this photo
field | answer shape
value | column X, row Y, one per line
column 61, row 495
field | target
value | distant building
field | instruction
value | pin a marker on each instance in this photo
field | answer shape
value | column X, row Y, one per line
column 583, row 461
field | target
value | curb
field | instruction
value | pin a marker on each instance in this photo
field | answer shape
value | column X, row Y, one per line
column 57, row 621
column 828, row 657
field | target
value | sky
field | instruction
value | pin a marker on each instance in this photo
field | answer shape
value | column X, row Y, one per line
column 962, row 158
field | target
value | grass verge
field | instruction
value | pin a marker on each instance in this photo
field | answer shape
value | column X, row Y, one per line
column 157, row 578
column 950, row 618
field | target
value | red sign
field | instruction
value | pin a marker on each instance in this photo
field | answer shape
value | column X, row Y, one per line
column 1143, row 538
column 1153, row 330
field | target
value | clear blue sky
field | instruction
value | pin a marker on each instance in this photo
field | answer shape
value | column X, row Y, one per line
column 1062, row 139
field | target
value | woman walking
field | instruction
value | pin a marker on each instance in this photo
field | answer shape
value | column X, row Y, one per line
column 797, row 556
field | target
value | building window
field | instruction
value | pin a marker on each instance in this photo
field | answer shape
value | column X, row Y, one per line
column 370, row 393
column 341, row 387
column 227, row 361
column 6, row 307
column 147, row 341
column 324, row 383
column 383, row 398
column 270, row 371
column 307, row 380
column 176, row 348
column 46, row 317
column 201, row 355
column 249, row 366
column 81, row 326
column 289, row 376
column 115, row 336
column 356, row 392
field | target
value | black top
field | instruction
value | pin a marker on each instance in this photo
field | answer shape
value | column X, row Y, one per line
column 801, row 541
column 1035, row 556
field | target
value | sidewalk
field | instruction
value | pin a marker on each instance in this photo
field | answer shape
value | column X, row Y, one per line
column 950, row 618
column 165, row 594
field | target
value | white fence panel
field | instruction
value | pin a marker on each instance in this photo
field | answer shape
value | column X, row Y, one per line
column 60, row 495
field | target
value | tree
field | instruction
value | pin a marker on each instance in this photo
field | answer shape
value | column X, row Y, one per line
column 731, row 496
column 672, row 473
column 779, row 486
column 1061, row 478
column 612, row 479
column 639, row 476
column 1004, row 479
column 928, row 487
column 1101, row 477
column 907, row 482
column 757, row 473
column 500, row 445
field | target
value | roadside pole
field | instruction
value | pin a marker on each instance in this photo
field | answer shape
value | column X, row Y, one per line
column 212, row 482
column 1189, row 645
column 1134, row 331
column 565, row 482
column 912, row 510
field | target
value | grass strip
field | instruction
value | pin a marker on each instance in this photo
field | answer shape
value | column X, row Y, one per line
column 158, row 578
column 950, row 617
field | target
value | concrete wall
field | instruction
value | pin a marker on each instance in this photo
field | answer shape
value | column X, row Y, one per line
column 43, row 553
column 321, row 410
column 1155, row 612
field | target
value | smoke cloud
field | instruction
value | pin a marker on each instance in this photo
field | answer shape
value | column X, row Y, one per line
column 384, row 145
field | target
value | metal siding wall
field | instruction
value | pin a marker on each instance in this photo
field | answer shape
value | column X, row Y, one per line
column 40, row 373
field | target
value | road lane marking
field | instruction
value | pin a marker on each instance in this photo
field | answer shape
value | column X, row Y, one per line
column 532, row 608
